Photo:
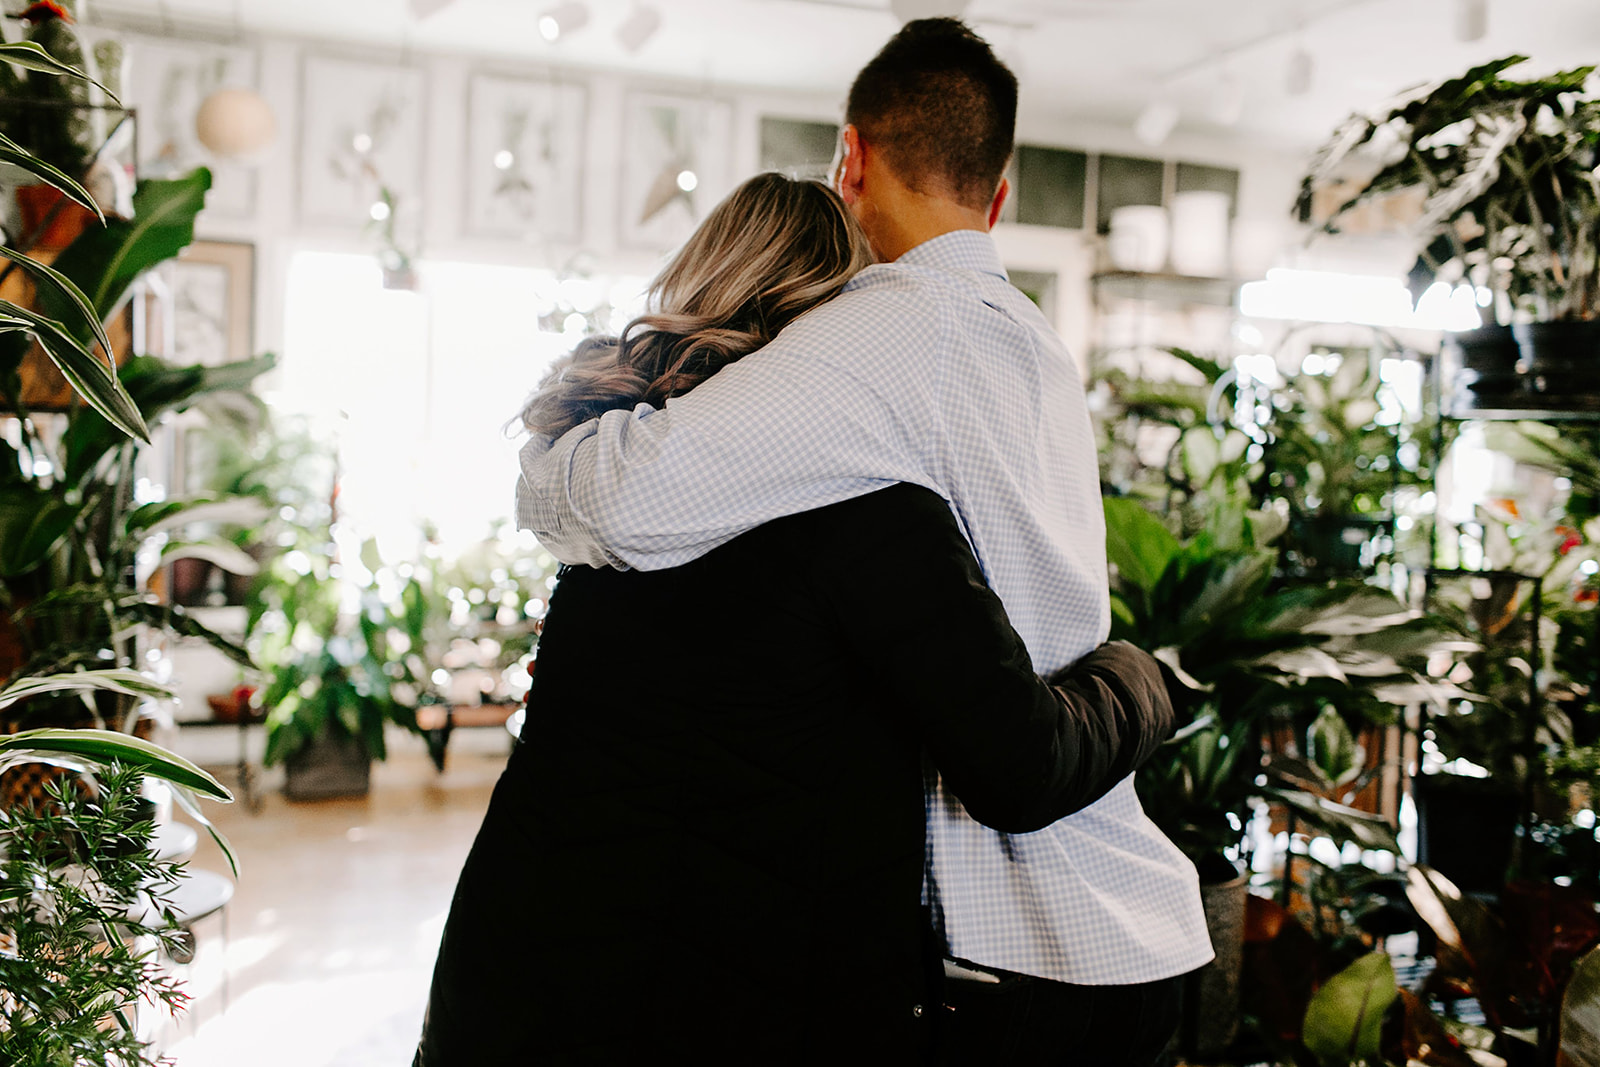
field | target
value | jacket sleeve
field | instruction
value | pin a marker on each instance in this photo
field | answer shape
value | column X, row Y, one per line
column 1019, row 752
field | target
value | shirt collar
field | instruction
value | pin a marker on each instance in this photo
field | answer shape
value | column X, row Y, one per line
column 958, row 250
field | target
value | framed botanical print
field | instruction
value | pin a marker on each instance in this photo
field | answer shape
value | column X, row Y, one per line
column 676, row 164
column 524, row 159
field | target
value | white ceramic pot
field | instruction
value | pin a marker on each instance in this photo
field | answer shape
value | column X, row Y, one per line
column 1200, row 233
column 1138, row 239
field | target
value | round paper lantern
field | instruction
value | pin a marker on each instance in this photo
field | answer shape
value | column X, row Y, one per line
column 236, row 123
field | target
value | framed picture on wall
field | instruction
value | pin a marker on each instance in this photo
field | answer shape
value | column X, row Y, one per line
column 166, row 80
column 213, row 306
column 361, row 143
column 524, row 161
column 676, row 164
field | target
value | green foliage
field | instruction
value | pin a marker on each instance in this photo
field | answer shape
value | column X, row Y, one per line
column 83, row 911
column 1343, row 1024
column 1508, row 173
column 1256, row 650
column 105, row 261
column 47, row 130
column 76, row 547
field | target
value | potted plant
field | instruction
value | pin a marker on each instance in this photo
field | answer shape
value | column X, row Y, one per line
column 1256, row 651
column 341, row 640
column 1511, row 205
column 82, row 897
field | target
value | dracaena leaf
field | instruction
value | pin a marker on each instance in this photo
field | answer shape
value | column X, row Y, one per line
column 48, row 275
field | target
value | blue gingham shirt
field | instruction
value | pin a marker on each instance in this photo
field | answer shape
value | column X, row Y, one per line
column 931, row 370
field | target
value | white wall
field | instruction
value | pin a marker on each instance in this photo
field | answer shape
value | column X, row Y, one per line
column 1268, row 179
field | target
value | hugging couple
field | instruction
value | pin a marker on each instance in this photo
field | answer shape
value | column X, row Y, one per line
column 790, row 788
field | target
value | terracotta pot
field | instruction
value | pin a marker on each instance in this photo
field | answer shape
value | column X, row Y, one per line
column 36, row 203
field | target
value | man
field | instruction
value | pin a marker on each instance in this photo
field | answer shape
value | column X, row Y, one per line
column 930, row 368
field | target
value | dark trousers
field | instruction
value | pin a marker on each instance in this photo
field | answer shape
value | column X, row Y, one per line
column 1022, row 1021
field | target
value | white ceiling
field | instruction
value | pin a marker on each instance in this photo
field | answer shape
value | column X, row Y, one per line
column 1088, row 60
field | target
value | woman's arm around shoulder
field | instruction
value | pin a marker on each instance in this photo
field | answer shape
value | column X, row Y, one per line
column 1018, row 751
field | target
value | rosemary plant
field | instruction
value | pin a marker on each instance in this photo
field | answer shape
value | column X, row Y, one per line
column 84, row 914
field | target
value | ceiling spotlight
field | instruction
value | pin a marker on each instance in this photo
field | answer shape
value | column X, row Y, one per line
column 688, row 180
column 1472, row 20
column 909, row 10
column 640, row 25
column 563, row 19
column 1298, row 80
column 1156, row 122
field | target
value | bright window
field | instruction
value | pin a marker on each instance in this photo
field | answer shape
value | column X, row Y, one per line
column 417, row 386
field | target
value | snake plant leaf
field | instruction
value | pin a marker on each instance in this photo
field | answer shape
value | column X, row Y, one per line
column 184, row 796
column 63, row 285
column 91, row 379
column 1344, row 1021
column 105, row 746
column 29, row 55
column 105, row 262
column 13, row 153
column 117, row 680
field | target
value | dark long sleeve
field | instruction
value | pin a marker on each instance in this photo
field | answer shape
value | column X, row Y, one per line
column 1020, row 753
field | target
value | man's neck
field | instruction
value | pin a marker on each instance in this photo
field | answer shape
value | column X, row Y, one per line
column 908, row 219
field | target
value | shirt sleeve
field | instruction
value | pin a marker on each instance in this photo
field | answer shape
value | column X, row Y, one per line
column 1019, row 753
column 841, row 403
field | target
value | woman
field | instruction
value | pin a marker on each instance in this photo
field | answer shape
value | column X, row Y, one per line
column 708, row 847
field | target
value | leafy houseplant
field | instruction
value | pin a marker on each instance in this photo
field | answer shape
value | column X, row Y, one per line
column 1511, row 205
column 341, row 640
column 1257, row 654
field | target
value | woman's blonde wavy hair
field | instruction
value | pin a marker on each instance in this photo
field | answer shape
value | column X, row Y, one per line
column 773, row 250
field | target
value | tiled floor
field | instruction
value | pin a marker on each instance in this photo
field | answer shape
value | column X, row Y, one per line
column 337, row 914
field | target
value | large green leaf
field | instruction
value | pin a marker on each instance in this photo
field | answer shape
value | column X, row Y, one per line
column 13, row 153
column 92, row 379
column 32, row 523
column 1137, row 544
column 1344, row 1021
column 104, row 746
column 1341, row 823
column 171, row 514
column 66, row 288
column 29, row 55
column 104, row 262
column 156, row 387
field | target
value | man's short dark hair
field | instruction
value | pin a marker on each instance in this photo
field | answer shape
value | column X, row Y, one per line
column 941, row 107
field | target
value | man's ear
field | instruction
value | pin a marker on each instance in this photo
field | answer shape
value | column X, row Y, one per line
column 999, row 201
column 850, row 171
